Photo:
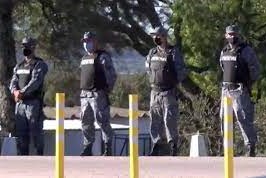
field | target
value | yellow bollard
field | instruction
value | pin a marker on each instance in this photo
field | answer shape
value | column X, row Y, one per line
column 133, row 136
column 228, row 138
column 59, row 153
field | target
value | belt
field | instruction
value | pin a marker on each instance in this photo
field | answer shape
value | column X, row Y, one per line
column 161, row 89
column 232, row 86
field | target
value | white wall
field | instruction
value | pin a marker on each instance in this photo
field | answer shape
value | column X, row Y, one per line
column 74, row 140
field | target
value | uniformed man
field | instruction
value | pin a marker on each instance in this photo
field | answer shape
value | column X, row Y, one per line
column 240, row 70
column 98, row 77
column 166, row 69
column 27, row 89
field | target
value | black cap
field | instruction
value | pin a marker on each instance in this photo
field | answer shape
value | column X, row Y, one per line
column 88, row 35
column 29, row 42
column 159, row 31
column 232, row 29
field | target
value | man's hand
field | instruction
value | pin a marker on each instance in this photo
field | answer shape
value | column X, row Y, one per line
column 17, row 95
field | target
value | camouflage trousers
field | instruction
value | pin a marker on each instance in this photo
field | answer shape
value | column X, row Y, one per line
column 95, row 106
column 164, row 115
column 243, row 109
column 29, row 124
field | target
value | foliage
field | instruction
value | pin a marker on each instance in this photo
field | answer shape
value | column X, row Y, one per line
column 120, row 93
column 118, row 23
column 200, row 27
column 260, row 122
column 62, row 77
column 130, row 85
column 204, row 118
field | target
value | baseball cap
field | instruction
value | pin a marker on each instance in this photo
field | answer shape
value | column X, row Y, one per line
column 232, row 29
column 159, row 31
column 88, row 35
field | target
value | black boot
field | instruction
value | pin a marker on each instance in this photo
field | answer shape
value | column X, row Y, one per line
column 87, row 151
column 40, row 152
column 107, row 149
column 23, row 151
column 173, row 148
column 250, row 150
column 23, row 146
column 155, row 151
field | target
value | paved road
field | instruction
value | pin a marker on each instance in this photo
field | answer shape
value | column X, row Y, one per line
column 118, row 167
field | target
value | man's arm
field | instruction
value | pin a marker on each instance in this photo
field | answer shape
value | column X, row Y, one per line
column 148, row 60
column 180, row 67
column 37, row 78
column 109, row 70
column 249, row 55
column 14, row 81
column 220, row 60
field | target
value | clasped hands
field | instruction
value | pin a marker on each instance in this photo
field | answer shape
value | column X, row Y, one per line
column 17, row 95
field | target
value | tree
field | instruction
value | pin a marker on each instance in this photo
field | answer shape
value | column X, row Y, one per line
column 200, row 27
column 7, row 62
column 119, row 23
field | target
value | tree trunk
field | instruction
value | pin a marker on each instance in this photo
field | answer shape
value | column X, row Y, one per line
column 7, row 62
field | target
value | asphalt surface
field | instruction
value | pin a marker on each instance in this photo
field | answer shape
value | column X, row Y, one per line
column 118, row 167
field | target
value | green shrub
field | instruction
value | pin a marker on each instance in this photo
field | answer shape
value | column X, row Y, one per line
column 63, row 77
column 203, row 116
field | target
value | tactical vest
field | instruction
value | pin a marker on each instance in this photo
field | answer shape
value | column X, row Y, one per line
column 92, row 73
column 24, row 74
column 235, row 69
column 162, row 70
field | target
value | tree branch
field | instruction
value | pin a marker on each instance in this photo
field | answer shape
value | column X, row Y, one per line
column 139, row 32
column 147, row 7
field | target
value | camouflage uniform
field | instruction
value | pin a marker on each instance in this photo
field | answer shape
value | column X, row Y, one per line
column 163, row 104
column 29, row 114
column 95, row 103
column 243, row 107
